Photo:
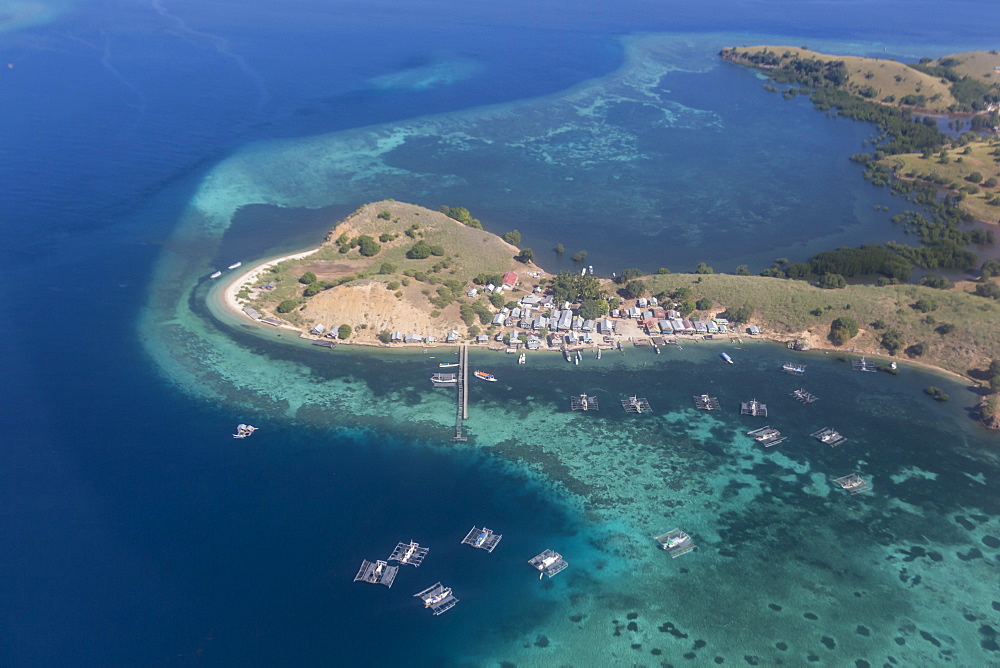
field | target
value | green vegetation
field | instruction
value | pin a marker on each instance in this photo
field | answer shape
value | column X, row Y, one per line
column 526, row 255
column 287, row 306
column 634, row 289
column 832, row 281
column 936, row 393
column 892, row 340
column 368, row 246
column 703, row 304
column 569, row 286
column 462, row 215
column 344, row 332
column 628, row 275
column 925, row 305
column 385, row 215
column 580, row 256
column 513, row 237
column 307, row 278
column 842, row 330
column 560, row 249
column 592, row 309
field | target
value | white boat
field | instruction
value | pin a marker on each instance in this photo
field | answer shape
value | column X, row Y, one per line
column 598, row 353
column 216, row 274
column 726, row 358
column 447, row 364
column 235, row 264
column 244, row 430
column 522, row 358
column 482, row 375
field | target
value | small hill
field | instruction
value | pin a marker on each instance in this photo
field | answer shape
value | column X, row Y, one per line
column 414, row 278
column 877, row 79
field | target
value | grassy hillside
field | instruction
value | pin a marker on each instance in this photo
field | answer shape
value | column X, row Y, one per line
column 388, row 289
column 982, row 197
column 892, row 81
column 785, row 308
column 979, row 64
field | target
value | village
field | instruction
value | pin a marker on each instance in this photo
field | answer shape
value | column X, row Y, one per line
column 538, row 322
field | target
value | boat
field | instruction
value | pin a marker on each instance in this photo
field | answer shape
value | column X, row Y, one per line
column 656, row 349
column 216, row 274
column 444, row 365
column 244, row 430
column 726, row 358
column 579, row 356
column 567, row 355
column 791, row 367
column 234, row 265
column 522, row 358
column 598, row 353
column 482, row 375
column 437, row 598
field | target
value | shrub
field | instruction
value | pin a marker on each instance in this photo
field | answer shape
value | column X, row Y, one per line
column 392, row 285
column 842, row 330
column 387, row 268
column 313, row 289
column 974, row 177
column 368, row 246
column 989, row 290
column 703, row 304
column 385, row 215
column 925, row 305
column 344, row 331
column 307, row 278
column 738, row 314
column 497, row 299
column 419, row 251
column 832, row 281
column 580, row 256
column 936, row 392
column 526, row 255
column 287, row 306
column 385, row 336
column 945, row 328
column 892, row 340
column 513, row 237
column 703, row 268
column 917, row 349
column 635, row 289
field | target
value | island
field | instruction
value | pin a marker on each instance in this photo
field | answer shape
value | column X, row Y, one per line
column 393, row 274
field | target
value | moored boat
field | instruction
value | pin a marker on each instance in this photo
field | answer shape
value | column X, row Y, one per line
column 216, row 274
column 234, row 265
column 447, row 364
column 482, row 375
column 726, row 358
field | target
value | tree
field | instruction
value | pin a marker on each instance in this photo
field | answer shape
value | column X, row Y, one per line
column 385, row 336
column 990, row 290
column 287, row 306
column 419, row 251
column 307, row 278
column 314, row 289
column 385, row 215
column 592, row 309
column 496, row 299
column 343, row 332
column 703, row 304
column 738, row 314
column 387, row 268
column 832, row 281
column 628, row 275
column 892, row 340
column 513, row 237
column 703, row 268
column 925, row 305
column 989, row 269
column 842, row 330
column 663, row 271
column 635, row 289
column 990, row 182
column 743, row 270
column 974, row 177
column 560, row 249
column 917, row 349
column 580, row 256
column 367, row 246
column 526, row 255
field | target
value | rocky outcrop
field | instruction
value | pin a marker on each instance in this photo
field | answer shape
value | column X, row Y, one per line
column 989, row 411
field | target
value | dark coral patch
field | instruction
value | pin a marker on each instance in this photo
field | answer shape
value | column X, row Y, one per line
column 828, row 642
column 812, row 658
column 774, row 606
column 973, row 553
column 929, row 638
column 719, row 659
column 632, row 615
column 810, row 616
column 576, row 618
column 542, row 641
column 698, row 644
column 991, row 541
column 690, row 655
column 656, row 651
column 863, row 630
column 632, row 626
column 636, row 645
column 782, row 646
column 752, row 660
column 900, row 641
column 861, row 663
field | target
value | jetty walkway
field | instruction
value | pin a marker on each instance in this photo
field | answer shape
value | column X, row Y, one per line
column 462, row 399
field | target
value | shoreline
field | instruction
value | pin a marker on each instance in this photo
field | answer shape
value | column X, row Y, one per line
column 231, row 303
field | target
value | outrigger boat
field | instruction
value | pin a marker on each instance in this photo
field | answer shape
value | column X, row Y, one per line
column 482, row 375
column 244, row 430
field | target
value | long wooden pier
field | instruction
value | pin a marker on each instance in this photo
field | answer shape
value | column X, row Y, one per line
column 462, row 400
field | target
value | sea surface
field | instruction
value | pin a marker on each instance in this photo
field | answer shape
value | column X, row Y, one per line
column 145, row 144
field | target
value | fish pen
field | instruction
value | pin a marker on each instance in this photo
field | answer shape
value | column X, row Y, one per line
column 482, row 539
column 853, row 483
column 583, row 403
column 800, row 395
column 676, row 542
column 829, row 436
column 864, row 365
column 766, row 436
column 548, row 563
column 794, row 369
column 378, row 572
column 636, row 405
column 706, row 403
column 409, row 553
column 438, row 598
column 753, row 407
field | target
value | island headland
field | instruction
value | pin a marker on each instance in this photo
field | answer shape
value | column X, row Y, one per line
column 393, row 274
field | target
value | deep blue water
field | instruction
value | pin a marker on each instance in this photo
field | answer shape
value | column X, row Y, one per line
column 134, row 532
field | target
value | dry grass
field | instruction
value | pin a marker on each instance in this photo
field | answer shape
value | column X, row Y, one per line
column 888, row 77
column 954, row 172
column 979, row 64
column 782, row 308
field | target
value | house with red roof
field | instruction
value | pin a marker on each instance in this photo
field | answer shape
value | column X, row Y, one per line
column 510, row 279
